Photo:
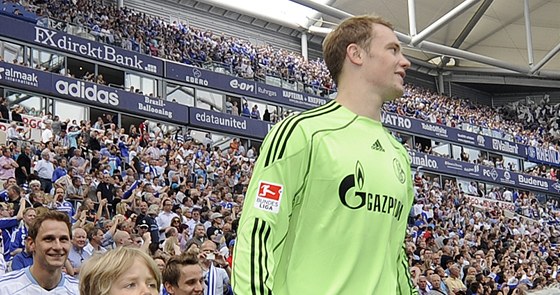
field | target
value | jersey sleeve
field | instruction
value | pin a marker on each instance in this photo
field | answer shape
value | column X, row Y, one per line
column 404, row 281
column 16, row 241
column 277, row 179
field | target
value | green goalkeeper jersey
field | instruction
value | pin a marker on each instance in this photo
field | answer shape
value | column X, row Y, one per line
column 326, row 209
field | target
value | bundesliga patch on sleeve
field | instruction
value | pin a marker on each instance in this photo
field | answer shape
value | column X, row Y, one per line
column 269, row 197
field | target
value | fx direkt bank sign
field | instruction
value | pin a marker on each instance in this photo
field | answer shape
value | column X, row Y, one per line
column 60, row 41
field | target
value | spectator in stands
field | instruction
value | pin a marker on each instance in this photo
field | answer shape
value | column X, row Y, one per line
column 7, row 166
column 24, row 258
column 78, row 254
column 19, row 236
column 164, row 217
column 120, row 271
column 44, row 170
column 216, row 269
column 49, row 242
column 24, row 165
column 183, row 275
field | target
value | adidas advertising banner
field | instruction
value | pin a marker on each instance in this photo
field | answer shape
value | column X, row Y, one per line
column 91, row 93
column 229, row 124
column 223, row 82
column 60, row 41
column 449, row 134
column 483, row 173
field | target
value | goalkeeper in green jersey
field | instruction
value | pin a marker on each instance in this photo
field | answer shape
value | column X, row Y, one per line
column 327, row 206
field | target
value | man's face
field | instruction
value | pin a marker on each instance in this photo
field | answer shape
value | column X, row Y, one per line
column 50, row 247
column 167, row 206
column 208, row 248
column 98, row 237
column 436, row 282
column 196, row 215
column 143, row 207
column 126, row 240
column 422, row 283
column 138, row 242
column 11, row 181
column 29, row 216
column 79, row 240
column 384, row 64
column 35, row 187
column 4, row 211
column 190, row 281
column 199, row 232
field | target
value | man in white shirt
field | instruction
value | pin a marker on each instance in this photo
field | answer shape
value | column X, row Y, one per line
column 44, row 169
column 50, row 243
column 164, row 218
column 47, row 135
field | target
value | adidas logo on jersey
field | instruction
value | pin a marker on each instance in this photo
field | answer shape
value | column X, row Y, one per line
column 377, row 146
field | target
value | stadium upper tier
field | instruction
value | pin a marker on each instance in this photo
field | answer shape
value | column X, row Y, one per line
column 530, row 125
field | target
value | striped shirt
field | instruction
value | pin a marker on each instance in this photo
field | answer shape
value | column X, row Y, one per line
column 22, row 282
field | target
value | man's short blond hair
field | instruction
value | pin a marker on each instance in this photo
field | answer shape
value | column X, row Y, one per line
column 355, row 30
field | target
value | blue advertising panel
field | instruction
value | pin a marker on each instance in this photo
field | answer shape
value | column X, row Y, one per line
column 23, row 77
column 543, row 156
column 91, row 93
column 483, row 173
column 225, row 123
column 223, row 82
column 450, row 134
column 60, row 41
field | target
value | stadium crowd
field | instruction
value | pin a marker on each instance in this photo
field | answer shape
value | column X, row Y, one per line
column 531, row 124
column 166, row 193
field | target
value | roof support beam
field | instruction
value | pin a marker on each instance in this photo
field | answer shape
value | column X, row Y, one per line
column 545, row 59
column 468, row 28
column 430, row 46
column 454, row 52
column 324, row 9
column 438, row 24
column 528, row 33
column 472, row 23
column 412, row 17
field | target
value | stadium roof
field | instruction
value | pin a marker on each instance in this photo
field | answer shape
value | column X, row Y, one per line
column 488, row 36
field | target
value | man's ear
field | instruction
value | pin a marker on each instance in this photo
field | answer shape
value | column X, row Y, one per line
column 169, row 288
column 354, row 53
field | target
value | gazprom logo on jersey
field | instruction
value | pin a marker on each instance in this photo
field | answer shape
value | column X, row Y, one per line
column 13, row 75
column 90, row 49
column 505, row 146
column 396, row 121
column 531, row 181
column 353, row 194
column 86, row 90
column 424, row 161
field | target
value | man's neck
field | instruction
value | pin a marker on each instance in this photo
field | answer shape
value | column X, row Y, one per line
column 48, row 280
column 94, row 244
column 360, row 102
